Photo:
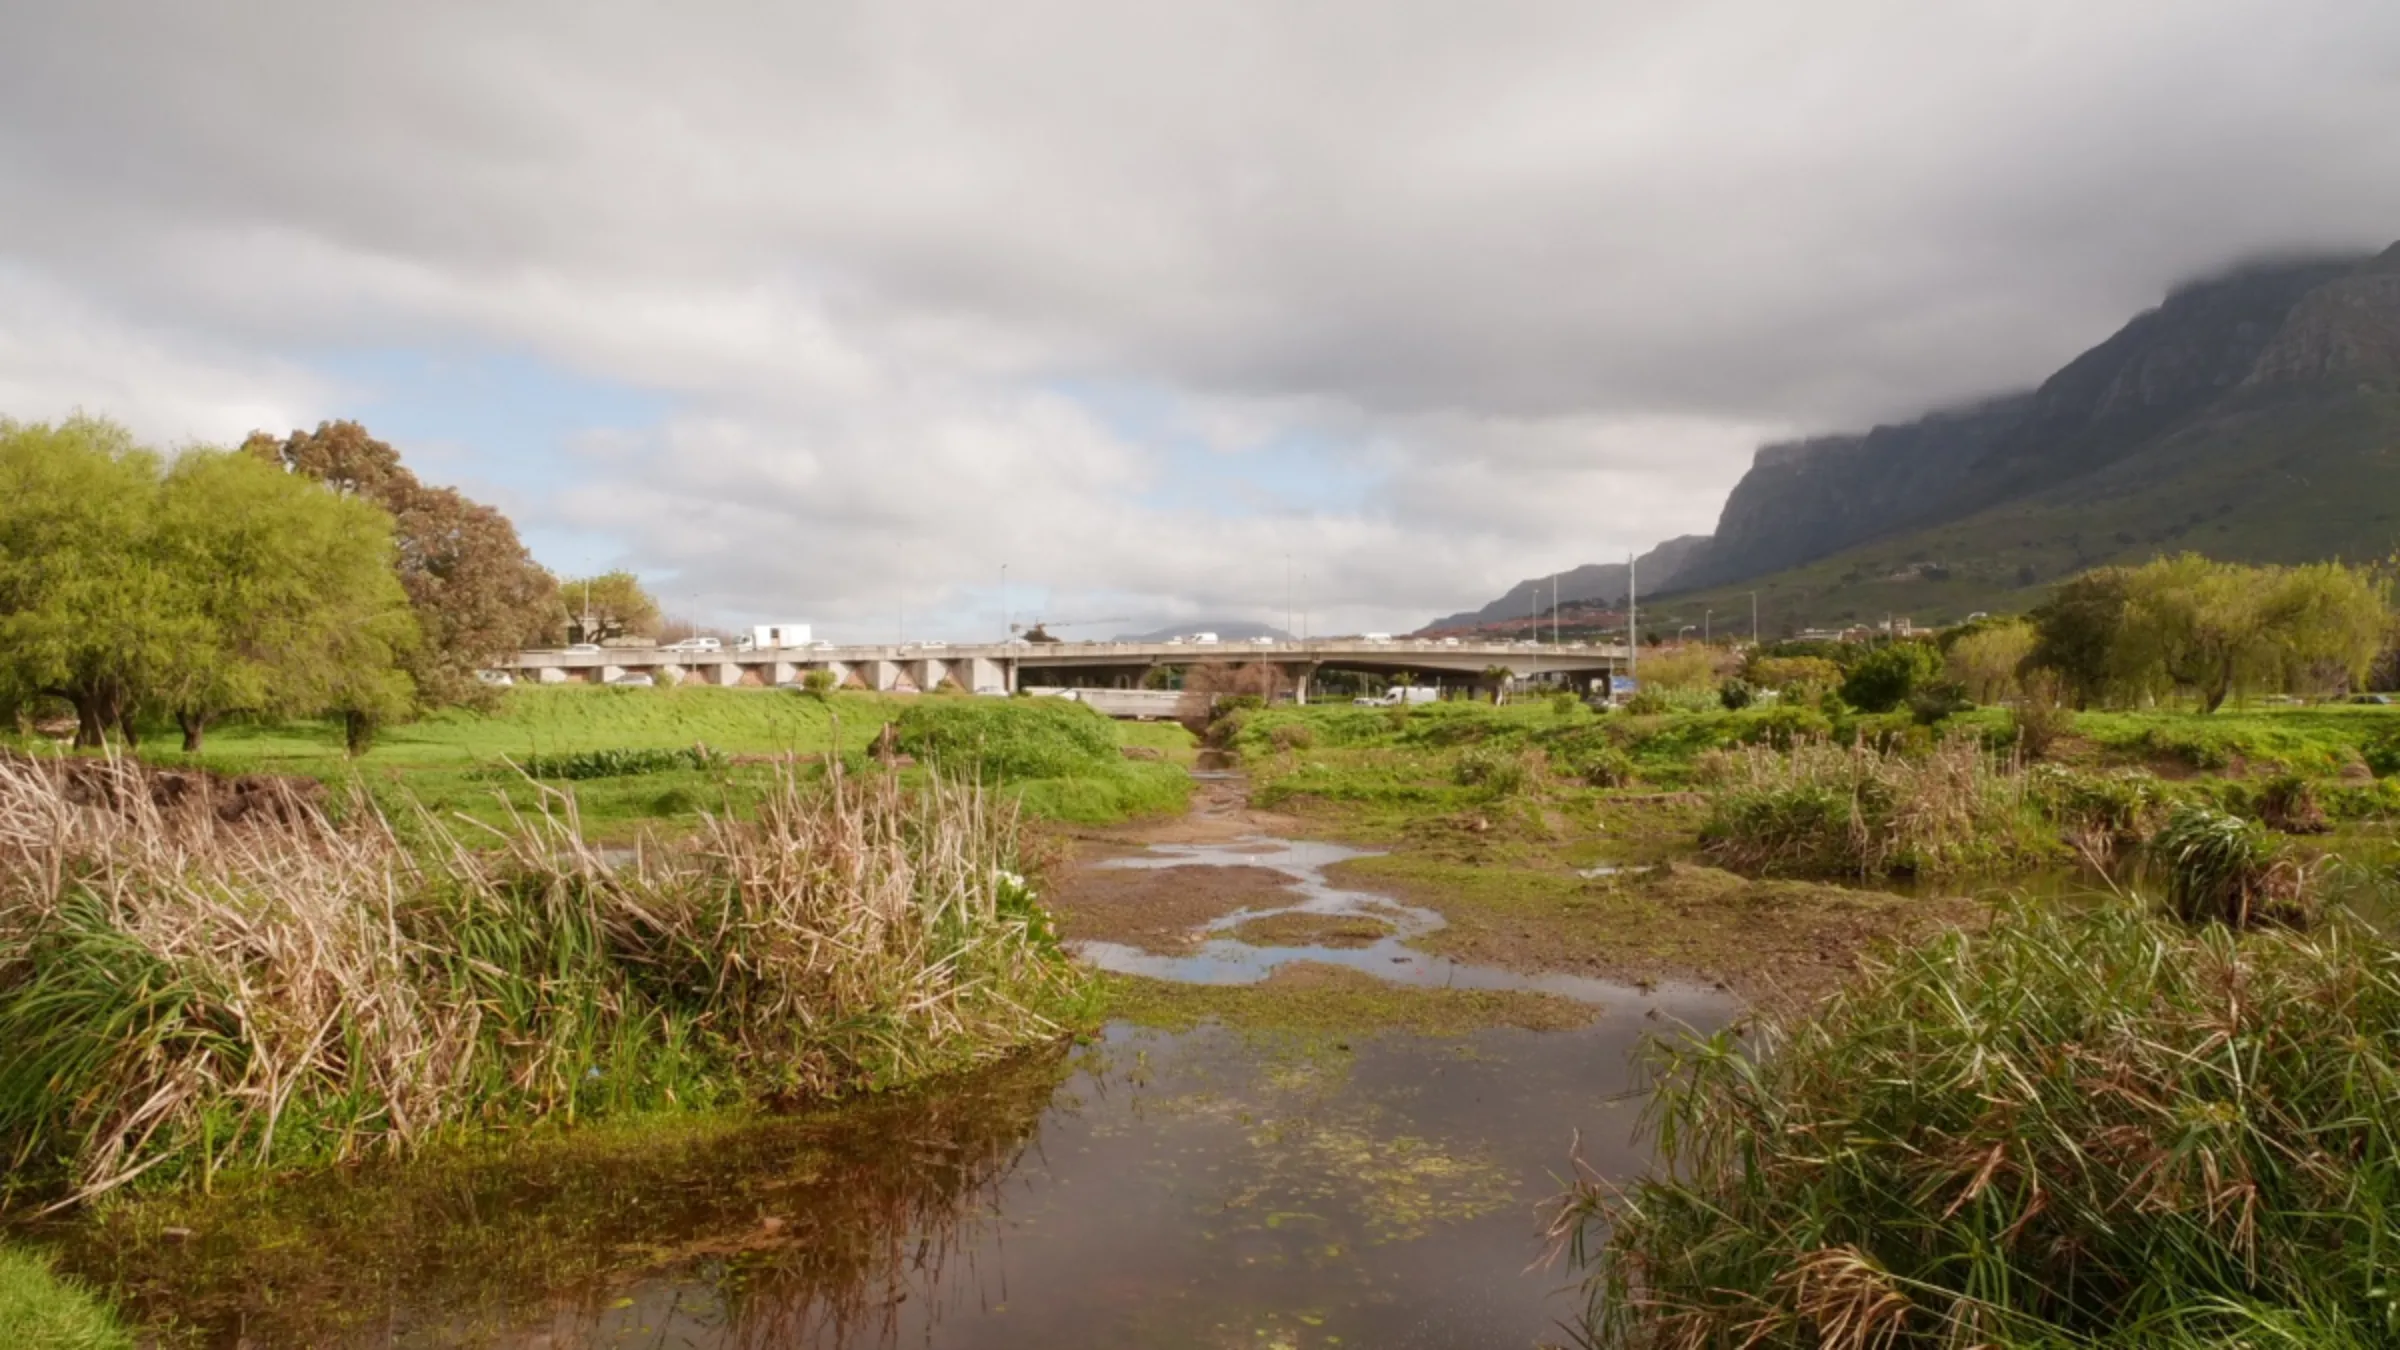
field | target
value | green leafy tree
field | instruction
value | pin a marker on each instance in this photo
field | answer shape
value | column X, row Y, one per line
column 2219, row 629
column 292, row 583
column 1984, row 663
column 1885, row 677
column 610, row 605
column 476, row 593
column 2075, row 634
column 86, row 614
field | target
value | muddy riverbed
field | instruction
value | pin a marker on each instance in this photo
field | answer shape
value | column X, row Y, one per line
column 1243, row 1182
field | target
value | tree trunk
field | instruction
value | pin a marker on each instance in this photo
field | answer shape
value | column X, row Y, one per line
column 91, row 726
column 195, row 726
column 358, row 732
column 126, row 728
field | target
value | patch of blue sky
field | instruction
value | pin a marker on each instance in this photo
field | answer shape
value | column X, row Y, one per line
column 499, row 424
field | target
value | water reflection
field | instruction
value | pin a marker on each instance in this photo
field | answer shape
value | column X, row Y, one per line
column 1172, row 1190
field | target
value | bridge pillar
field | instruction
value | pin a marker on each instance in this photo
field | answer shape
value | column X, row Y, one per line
column 550, row 675
column 729, row 674
column 781, row 672
column 880, row 675
column 610, row 673
column 1301, row 674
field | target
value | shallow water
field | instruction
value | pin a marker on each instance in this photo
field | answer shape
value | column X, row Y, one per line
column 1199, row 1189
column 1228, row 961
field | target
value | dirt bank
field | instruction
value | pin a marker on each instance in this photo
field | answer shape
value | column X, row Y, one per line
column 1156, row 908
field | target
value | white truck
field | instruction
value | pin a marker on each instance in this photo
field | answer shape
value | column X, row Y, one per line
column 1401, row 694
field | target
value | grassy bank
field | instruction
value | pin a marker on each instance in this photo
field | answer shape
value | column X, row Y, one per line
column 42, row 1310
column 2101, row 1129
column 625, row 744
column 182, row 995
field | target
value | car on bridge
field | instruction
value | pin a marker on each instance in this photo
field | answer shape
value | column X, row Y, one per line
column 696, row 644
column 581, row 649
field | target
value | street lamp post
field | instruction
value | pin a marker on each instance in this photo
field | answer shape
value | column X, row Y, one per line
column 1004, row 624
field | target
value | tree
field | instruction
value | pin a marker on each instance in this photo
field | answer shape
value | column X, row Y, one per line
column 610, row 605
column 85, row 613
column 292, row 583
column 1984, row 663
column 1885, row 677
column 2217, row 629
column 2075, row 633
column 476, row 593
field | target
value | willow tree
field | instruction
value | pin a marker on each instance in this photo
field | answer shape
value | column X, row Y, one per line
column 86, row 614
column 2217, row 629
column 298, row 607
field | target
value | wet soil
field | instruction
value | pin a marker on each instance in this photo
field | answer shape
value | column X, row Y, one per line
column 1161, row 909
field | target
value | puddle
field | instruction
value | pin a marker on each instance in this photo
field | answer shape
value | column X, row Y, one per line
column 1224, row 960
column 1156, row 1190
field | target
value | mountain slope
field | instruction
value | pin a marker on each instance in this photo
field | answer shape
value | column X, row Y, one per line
column 1601, row 582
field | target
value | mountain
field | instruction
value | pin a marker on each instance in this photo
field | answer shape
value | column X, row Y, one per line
column 2254, row 415
column 1231, row 630
column 1600, row 582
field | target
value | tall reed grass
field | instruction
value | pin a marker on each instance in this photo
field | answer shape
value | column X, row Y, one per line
column 2094, row 1129
column 1821, row 809
column 180, row 994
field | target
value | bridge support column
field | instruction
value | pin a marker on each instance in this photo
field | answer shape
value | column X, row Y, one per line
column 1301, row 675
column 728, row 674
column 781, row 672
column 610, row 673
column 550, row 675
column 881, row 676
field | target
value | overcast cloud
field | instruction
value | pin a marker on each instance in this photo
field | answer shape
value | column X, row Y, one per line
column 816, row 310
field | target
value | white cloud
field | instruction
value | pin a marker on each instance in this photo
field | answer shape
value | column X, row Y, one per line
column 1519, row 284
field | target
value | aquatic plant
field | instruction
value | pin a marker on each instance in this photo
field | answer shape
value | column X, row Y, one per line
column 185, row 994
column 2070, row 1129
column 1820, row 809
column 2221, row 868
column 611, row 763
column 42, row 1310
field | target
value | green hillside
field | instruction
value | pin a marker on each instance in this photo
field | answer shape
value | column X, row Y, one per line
column 2287, row 475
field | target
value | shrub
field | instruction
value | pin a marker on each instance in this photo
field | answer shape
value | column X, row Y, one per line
column 2072, row 1129
column 2382, row 750
column 1782, row 726
column 1937, row 701
column 2101, row 814
column 1498, row 772
column 1885, row 677
column 1292, row 736
column 577, row 765
column 1000, row 741
column 2042, row 718
column 2288, row 802
column 1822, row 810
column 2224, row 869
column 1648, row 703
column 1787, row 674
column 1736, row 694
column 817, row 683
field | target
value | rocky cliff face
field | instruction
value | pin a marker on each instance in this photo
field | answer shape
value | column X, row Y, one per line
column 1805, row 500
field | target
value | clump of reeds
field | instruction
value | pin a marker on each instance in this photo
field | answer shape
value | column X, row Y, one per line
column 2101, row 814
column 2067, row 1130
column 2221, row 868
column 177, row 992
column 1820, row 809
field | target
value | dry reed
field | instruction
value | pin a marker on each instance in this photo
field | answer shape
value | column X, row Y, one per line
column 184, row 993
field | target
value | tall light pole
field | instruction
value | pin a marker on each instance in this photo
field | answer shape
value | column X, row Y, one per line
column 1705, row 616
column 1554, row 609
column 1753, row 618
column 1004, row 624
column 1291, row 621
column 1633, row 630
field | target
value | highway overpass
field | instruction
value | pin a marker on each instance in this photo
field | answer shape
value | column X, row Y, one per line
column 998, row 668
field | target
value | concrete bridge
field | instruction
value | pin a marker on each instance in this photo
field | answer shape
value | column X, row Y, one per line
column 999, row 668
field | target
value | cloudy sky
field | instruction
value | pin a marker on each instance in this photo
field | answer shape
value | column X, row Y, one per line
column 819, row 311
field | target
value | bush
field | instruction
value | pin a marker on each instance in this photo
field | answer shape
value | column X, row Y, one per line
column 1782, row 726
column 2382, row 750
column 1498, row 772
column 2070, row 1130
column 1885, row 677
column 1736, row 694
column 2042, row 719
column 2224, row 869
column 1936, row 702
column 1292, row 736
column 817, row 683
column 620, row 763
column 1006, row 740
column 2101, row 814
column 1648, row 703
column 1822, row 810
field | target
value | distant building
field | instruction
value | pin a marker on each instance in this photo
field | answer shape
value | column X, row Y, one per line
column 764, row 636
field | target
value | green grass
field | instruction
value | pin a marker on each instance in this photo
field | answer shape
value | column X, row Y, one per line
column 2095, row 1128
column 457, row 762
column 41, row 1310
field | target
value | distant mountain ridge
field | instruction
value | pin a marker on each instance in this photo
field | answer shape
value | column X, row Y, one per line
column 2254, row 414
column 1232, row 630
column 1600, row 582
